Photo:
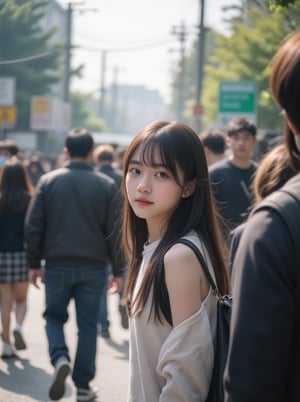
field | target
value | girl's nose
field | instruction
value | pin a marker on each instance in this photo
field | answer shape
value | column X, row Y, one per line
column 144, row 185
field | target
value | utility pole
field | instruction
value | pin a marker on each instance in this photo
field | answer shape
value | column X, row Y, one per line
column 69, row 47
column 199, row 68
column 114, row 98
column 102, row 84
column 68, row 53
column 181, row 34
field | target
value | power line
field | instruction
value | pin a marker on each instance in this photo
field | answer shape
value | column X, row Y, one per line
column 126, row 49
column 26, row 58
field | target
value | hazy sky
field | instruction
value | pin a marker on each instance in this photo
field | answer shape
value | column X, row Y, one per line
column 137, row 37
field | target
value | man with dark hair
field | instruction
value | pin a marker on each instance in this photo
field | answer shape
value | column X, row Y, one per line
column 232, row 177
column 71, row 225
column 214, row 144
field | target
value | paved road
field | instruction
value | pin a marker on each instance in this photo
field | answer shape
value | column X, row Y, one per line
column 27, row 379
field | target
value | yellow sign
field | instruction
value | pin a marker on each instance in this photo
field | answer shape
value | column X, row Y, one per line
column 40, row 104
column 8, row 115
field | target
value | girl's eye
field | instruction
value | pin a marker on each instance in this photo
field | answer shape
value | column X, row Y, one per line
column 162, row 175
column 134, row 171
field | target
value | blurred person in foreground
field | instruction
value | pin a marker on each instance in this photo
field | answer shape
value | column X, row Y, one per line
column 15, row 193
column 214, row 144
column 71, row 224
column 263, row 363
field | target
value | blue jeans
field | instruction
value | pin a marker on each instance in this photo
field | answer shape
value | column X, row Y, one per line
column 84, row 284
column 102, row 314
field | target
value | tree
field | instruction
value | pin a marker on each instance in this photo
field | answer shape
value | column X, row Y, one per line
column 280, row 3
column 245, row 54
column 81, row 115
column 26, row 52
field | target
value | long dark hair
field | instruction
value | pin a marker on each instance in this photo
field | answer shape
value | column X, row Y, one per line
column 285, row 84
column 15, row 187
column 179, row 148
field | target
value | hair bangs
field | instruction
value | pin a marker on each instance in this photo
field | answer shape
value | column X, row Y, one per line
column 156, row 151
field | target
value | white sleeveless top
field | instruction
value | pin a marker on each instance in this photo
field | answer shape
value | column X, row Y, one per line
column 172, row 364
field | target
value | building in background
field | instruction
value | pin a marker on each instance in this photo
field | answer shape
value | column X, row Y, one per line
column 131, row 107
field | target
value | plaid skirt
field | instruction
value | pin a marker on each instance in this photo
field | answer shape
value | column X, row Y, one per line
column 13, row 267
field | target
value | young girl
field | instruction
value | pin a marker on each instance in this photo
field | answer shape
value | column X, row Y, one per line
column 15, row 191
column 171, row 306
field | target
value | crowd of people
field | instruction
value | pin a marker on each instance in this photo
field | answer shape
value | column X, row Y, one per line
column 111, row 220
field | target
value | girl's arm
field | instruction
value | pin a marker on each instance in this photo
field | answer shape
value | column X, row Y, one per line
column 186, row 357
column 186, row 282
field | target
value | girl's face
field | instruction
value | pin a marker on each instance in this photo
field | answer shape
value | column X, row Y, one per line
column 152, row 192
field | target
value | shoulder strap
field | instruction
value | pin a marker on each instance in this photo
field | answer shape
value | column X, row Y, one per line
column 202, row 263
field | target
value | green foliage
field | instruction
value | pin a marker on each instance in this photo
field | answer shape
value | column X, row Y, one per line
column 34, row 59
column 244, row 55
column 81, row 115
column 279, row 4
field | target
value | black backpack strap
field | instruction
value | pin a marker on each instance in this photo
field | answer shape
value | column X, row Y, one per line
column 203, row 264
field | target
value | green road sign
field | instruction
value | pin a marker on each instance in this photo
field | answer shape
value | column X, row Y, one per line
column 237, row 98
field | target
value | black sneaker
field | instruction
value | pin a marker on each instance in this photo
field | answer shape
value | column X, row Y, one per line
column 124, row 316
column 19, row 340
column 62, row 370
column 105, row 333
column 86, row 395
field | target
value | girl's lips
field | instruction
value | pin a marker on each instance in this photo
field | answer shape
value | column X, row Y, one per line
column 142, row 201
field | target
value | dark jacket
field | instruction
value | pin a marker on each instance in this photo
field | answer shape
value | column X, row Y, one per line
column 264, row 352
column 72, row 219
column 12, row 229
column 112, row 172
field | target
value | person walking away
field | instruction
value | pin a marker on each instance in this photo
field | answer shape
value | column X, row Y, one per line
column 15, row 193
column 103, row 159
column 171, row 306
column 71, row 225
column 232, row 177
column 214, row 144
column 263, row 363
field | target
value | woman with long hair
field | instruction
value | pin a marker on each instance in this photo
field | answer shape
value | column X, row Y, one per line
column 263, row 362
column 15, row 192
column 171, row 306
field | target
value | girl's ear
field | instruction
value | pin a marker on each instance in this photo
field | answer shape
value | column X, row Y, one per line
column 189, row 189
column 292, row 126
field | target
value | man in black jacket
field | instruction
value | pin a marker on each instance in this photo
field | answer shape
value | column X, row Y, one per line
column 72, row 225
column 263, row 364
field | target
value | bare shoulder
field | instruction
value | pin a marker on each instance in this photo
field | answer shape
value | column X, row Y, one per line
column 181, row 256
column 178, row 250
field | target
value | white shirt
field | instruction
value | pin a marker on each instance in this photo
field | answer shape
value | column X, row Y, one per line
column 171, row 364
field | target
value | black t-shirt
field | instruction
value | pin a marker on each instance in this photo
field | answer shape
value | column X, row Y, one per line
column 232, row 190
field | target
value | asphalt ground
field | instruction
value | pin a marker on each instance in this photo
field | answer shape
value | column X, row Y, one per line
column 28, row 377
